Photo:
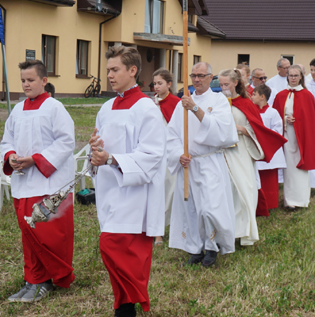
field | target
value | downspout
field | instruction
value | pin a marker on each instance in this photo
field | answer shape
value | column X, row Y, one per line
column 4, row 22
column 100, row 45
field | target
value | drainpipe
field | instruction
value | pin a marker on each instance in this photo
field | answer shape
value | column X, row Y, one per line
column 4, row 23
column 100, row 45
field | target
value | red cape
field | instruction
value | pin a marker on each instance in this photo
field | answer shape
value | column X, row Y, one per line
column 168, row 105
column 304, row 125
column 269, row 140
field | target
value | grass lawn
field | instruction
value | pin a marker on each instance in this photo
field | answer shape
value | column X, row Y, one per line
column 275, row 277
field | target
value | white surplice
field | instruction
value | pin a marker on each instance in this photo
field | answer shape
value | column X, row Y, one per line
column 273, row 121
column 207, row 218
column 296, row 182
column 48, row 131
column 241, row 163
column 132, row 200
column 170, row 180
column 278, row 82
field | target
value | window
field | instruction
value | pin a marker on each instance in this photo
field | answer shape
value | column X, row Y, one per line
column 289, row 57
column 49, row 53
column 243, row 59
column 196, row 59
column 82, row 58
column 154, row 10
column 180, row 68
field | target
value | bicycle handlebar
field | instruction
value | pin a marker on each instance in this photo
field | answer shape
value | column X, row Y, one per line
column 91, row 76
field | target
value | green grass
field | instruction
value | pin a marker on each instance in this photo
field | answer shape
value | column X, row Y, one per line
column 275, row 277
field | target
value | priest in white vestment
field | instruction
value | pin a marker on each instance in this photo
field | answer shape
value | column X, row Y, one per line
column 279, row 82
column 206, row 222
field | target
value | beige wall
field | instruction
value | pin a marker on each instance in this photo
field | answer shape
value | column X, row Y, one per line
column 262, row 54
column 132, row 19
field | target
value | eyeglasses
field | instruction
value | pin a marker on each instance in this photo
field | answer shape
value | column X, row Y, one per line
column 284, row 67
column 294, row 76
column 261, row 78
column 201, row 76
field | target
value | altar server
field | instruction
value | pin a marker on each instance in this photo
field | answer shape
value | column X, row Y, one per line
column 128, row 147
column 279, row 81
column 37, row 146
column 166, row 102
column 268, row 172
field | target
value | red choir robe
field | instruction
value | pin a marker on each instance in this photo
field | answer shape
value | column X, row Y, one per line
column 127, row 257
column 304, row 127
column 47, row 249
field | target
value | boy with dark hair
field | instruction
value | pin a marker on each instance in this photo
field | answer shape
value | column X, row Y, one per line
column 129, row 181
column 37, row 144
column 50, row 89
column 268, row 172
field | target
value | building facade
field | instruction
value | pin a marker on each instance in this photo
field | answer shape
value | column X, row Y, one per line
column 71, row 38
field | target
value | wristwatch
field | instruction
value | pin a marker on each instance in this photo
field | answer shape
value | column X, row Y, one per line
column 109, row 160
column 195, row 108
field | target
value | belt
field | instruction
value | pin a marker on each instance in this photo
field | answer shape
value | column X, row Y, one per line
column 208, row 154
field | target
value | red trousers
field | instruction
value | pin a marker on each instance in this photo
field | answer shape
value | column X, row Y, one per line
column 47, row 249
column 262, row 206
column 127, row 258
column 270, row 186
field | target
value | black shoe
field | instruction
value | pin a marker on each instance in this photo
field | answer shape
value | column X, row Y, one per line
column 126, row 310
column 209, row 258
column 194, row 259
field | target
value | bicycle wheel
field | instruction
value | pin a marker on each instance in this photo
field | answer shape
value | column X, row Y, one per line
column 88, row 91
column 97, row 90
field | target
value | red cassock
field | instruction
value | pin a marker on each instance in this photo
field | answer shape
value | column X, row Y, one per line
column 269, row 198
column 127, row 257
column 168, row 105
column 304, row 127
column 47, row 249
column 269, row 140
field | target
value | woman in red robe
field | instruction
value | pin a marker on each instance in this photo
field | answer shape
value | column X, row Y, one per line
column 296, row 106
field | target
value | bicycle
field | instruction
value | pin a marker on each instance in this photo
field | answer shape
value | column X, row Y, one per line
column 94, row 88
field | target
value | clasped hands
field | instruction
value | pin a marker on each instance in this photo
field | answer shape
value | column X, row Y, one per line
column 18, row 163
column 98, row 157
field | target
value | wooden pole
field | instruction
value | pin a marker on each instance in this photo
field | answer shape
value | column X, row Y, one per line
column 185, row 62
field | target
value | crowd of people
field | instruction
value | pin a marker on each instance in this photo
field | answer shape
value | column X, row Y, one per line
column 238, row 140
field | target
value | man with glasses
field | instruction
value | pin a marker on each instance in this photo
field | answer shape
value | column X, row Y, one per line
column 206, row 222
column 258, row 78
column 279, row 82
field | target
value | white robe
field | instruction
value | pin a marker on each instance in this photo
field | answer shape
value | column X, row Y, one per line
column 207, row 218
column 132, row 201
column 278, row 82
column 170, row 180
column 296, row 182
column 241, row 163
column 48, row 131
column 273, row 121
column 311, row 87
